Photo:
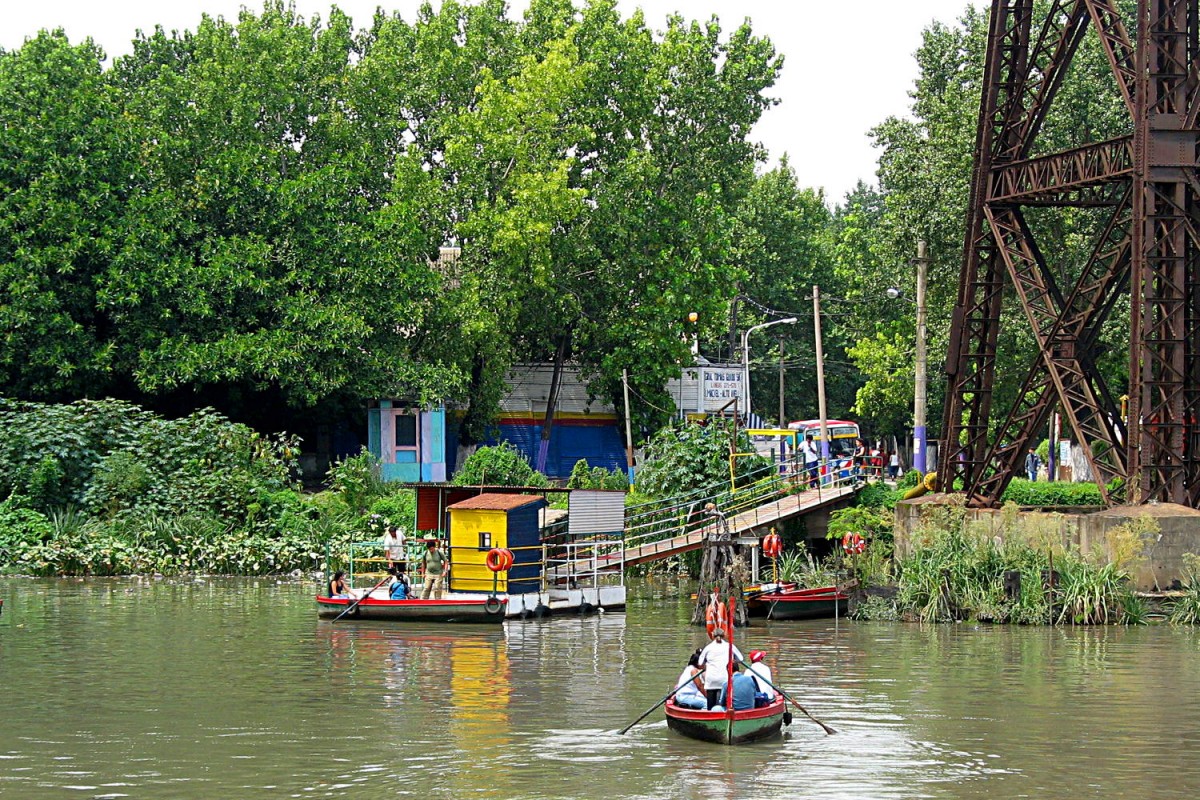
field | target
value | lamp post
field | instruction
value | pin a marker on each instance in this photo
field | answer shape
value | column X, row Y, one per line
column 746, row 352
column 920, row 380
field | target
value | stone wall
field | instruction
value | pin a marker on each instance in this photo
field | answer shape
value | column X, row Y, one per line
column 1080, row 529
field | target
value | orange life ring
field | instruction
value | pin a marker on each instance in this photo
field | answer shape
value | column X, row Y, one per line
column 499, row 559
column 854, row 543
column 715, row 617
column 772, row 545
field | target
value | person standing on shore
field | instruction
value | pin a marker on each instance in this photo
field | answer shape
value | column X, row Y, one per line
column 1032, row 463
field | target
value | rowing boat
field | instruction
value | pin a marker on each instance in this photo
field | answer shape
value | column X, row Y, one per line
column 749, row 725
column 478, row 608
column 818, row 603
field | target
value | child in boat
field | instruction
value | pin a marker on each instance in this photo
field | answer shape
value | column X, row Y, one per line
column 690, row 695
column 337, row 586
column 400, row 588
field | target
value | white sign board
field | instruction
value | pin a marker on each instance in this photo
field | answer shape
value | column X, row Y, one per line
column 720, row 386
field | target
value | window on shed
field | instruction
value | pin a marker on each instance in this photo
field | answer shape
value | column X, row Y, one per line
column 485, row 541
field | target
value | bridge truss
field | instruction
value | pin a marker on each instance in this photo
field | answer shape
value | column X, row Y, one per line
column 1147, row 256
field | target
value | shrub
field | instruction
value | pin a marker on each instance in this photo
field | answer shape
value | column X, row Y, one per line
column 500, row 465
column 687, row 456
column 1046, row 493
column 583, row 477
column 358, row 479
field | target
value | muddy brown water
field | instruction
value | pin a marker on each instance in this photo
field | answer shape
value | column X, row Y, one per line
column 215, row 688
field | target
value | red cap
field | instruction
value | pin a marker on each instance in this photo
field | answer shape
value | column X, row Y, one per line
column 757, row 655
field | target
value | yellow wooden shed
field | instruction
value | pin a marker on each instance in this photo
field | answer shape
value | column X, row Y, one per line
column 485, row 521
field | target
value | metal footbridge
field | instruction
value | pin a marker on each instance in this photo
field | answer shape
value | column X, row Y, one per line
column 664, row 528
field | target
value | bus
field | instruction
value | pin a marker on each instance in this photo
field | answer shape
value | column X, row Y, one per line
column 842, row 434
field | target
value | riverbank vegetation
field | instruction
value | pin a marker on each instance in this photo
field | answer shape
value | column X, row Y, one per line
column 1013, row 568
column 106, row 488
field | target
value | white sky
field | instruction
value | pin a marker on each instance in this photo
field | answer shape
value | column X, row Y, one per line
column 847, row 65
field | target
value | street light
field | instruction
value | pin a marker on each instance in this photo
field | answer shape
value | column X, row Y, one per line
column 746, row 353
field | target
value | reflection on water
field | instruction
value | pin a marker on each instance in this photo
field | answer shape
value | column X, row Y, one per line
column 217, row 688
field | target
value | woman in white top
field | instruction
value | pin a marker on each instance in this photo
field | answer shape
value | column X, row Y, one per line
column 714, row 658
column 689, row 694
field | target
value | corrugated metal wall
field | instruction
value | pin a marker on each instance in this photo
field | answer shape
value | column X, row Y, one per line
column 600, row 445
column 594, row 511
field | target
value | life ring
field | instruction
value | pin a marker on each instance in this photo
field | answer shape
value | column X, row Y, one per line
column 772, row 545
column 499, row 559
column 493, row 605
column 854, row 544
column 715, row 617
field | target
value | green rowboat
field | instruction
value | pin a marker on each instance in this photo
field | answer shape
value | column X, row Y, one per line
column 723, row 727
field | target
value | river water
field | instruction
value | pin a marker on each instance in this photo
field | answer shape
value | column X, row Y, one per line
column 207, row 688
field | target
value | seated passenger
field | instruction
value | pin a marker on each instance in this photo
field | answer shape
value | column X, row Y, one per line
column 337, row 586
column 400, row 588
column 762, row 676
column 690, row 696
column 743, row 691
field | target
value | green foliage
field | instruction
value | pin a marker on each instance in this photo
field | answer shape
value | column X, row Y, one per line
column 798, row 566
column 875, row 608
column 583, row 477
column 144, row 494
column 399, row 506
column 1185, row 609
column 501, row 465
column 358, row 479
column 1046, row 493
column 957, row 571
column 689, row 456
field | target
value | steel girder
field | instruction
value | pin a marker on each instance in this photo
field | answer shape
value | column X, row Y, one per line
column 1150, row 247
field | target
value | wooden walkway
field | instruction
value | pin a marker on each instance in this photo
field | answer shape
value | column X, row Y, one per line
column 745, row 521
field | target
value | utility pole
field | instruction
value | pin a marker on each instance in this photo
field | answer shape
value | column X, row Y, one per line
column 782, row 424
column 820, row 375
column 628, row 426
column 920, row 441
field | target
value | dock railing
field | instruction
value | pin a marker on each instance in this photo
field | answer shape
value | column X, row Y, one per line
column 585, row 563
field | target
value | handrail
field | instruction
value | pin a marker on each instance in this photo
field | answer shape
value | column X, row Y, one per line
column 648, row 528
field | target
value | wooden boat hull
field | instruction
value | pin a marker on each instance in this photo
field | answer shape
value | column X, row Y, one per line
column 819, row 603
column 746, row 726
column 488, row 611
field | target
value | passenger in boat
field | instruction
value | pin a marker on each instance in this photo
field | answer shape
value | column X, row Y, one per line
column 400, row 588
column 762, row 678
column 393, row 545
column 435, row 565
column 338, row 589
column 714, row 659
column 744, row 688
column 690, row 695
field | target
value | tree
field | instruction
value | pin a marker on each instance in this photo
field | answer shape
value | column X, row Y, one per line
column 65, row 154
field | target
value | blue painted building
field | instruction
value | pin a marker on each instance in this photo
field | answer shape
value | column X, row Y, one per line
column 410, row 442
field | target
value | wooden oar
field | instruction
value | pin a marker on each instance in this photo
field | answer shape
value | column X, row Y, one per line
column 354, row 605
column 651, row 709
column 784, row 695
